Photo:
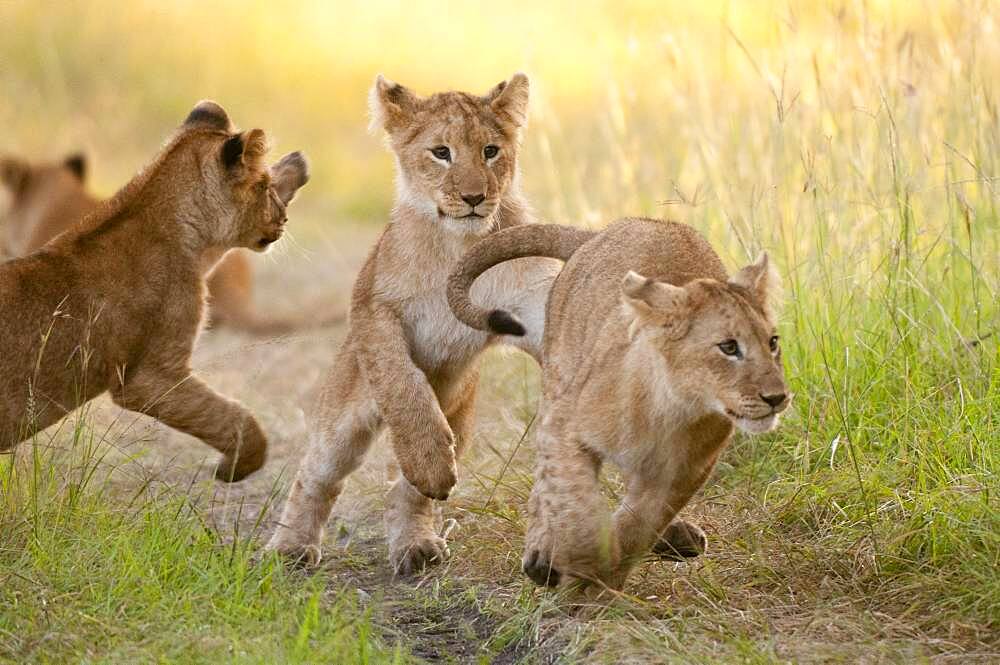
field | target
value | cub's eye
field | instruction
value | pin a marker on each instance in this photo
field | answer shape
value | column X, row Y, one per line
column 731, row 348
column 490, row 151
column 774, row 344
column 442, row 152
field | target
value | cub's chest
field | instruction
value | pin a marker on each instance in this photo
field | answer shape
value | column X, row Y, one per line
column 435, row 336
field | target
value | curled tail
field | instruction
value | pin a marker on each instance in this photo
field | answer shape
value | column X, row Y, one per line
column 516, row 242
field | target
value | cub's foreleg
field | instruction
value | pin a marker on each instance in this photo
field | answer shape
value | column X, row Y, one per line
column 646, row 516
column 421, row 436
column 412, row 520
column 343, row 427
column 184, row 402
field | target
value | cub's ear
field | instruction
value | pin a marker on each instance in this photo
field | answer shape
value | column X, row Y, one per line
column 246, row 150
column 509, row 99
column 391, row 105
column 77, row 165
column 289, row 174
column 761, row 279
column 658, row 304
column 208, row 115
column 13, row 173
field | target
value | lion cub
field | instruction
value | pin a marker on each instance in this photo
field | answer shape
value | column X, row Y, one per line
column 651, row 356
column 116, row 303
column 45, row 199
column 406, row 363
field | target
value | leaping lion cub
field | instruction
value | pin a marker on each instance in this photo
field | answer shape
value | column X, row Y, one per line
column 651, row 355
column 407, row 363
column 115, row 303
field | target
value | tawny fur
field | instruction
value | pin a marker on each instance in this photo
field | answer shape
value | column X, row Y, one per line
column 44, row 199
column 115, row 303
column 633, row 374
column 406, row 363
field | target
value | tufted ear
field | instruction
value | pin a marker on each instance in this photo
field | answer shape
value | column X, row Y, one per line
column 77, row 165
column 391, row 105
column 208, row 115
column 246, row 150
column 509, row 99
column 656, row 304
column 761, row 279
column 13, row 173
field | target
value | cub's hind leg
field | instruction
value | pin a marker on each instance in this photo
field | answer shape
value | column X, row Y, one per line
column 413, row 521
column 346, row 422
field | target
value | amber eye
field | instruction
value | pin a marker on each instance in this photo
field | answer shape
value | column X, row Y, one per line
column 442, row 152
column 731, row 348
column 490, row 151
column 774, row 344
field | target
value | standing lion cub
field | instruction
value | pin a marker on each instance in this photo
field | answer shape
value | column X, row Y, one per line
column 651, row 356
column 115, row 304
column 407, row 363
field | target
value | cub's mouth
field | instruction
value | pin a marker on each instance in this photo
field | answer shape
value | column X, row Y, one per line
column 471, row 215
column 755, row 424
column 266, row 241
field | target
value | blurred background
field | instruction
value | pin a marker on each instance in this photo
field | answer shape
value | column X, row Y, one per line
column 730, row 111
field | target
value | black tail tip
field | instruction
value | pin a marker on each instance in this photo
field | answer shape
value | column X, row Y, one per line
column 503, row 323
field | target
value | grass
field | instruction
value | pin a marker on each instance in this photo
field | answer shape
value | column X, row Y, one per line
column 858, row 142
column 96, row 572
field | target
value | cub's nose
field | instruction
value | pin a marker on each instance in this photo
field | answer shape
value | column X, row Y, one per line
column 473, row 199
column 775, row 400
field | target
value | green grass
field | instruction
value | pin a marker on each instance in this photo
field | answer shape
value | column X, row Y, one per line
column 93, row 572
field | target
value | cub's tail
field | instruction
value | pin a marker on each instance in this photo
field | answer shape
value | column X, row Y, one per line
column 548, row 240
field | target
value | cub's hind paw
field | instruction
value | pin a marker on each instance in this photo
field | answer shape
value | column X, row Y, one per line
column 538, row 567
column 681, row 541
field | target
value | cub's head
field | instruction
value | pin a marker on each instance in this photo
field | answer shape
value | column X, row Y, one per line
column 243, row 201
column 456, row 152
column 23, row 182
column 718, row 342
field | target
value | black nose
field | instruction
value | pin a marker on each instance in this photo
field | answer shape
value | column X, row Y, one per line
column 473, row 199
column 774, row 400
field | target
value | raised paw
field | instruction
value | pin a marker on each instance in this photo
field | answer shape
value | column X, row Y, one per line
column 682, row 540
column 434, row 472
column 538, row 567
column 416, row 554
column 236, row 466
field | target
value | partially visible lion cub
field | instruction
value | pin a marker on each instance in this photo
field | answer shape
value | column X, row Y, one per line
column 406, row 363
column 116, row 303
column 45, row 199
column 651, row 355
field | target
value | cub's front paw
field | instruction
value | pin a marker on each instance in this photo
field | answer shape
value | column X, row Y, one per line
column 432, row 470
column 295, row 551
column 682, row 540
column 247, row 458
column 537, row 565
column 414, row 554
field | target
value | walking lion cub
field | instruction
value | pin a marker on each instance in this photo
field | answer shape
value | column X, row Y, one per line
column 651, row 355
column 115, row 303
